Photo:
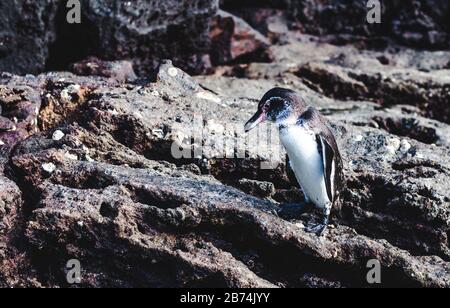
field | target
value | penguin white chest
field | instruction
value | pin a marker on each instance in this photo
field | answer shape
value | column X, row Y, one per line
column 307, row 163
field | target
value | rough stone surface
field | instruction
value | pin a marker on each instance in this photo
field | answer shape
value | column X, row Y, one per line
column 36, row 35
column 153, row 183
column 121, row 71
column 234, row 41
column 117, row 193
column 20, row 106
column 25, row 35
column 417, row 23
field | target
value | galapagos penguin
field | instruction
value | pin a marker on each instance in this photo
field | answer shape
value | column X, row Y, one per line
column 313, row 154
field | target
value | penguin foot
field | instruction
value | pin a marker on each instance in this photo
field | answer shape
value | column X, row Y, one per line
column 319, row 230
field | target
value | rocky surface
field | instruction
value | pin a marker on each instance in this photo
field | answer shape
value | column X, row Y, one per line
column 420, row 24
column 152, row 182
column 234, row 41
column 36, row 36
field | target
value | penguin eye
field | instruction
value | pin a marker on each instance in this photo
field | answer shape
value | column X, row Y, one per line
column 277, row 104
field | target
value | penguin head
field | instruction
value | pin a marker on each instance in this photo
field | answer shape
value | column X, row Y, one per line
column 278, row 106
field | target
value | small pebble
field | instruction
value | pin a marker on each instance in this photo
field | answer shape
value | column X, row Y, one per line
column 359, row 138
column 65, row 95
column 391, row 150
column 173, row 72
column 70, row 156
column 392, row 145
column 49, row 167
column 395, row 143
column 57, row 135
column 405, row 145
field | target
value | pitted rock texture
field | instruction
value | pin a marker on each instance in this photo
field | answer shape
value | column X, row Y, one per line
column 153, row 183
column 234, row 41
column 26, row 35
column 101, row 182
column 36, row 36
column 417, row 23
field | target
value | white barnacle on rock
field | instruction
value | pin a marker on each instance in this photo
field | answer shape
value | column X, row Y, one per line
column 390, row 150
column 88, row 158
column 70, row 156
column 405, row 146
column 359, row 138
column 1, row 143
column 208, row 96
column 49, row 167
column 173, row 72
column 392, row 145
column 57, row 135
column 65, row 95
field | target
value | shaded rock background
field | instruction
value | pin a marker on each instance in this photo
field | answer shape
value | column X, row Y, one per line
column 36, row 36
column 418, row 23
column 86, row 155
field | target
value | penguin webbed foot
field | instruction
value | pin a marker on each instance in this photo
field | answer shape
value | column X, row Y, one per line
column 319, row 229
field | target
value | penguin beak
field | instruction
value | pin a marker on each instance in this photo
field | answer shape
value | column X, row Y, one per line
column 259, row 117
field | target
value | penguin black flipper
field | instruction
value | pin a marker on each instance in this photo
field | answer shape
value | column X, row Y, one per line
column 290, row 173
column 327, row 153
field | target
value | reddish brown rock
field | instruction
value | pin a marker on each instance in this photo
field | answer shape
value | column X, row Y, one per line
column 235, row 41
column 11, row 220
column 20, row 106
column 120, row 71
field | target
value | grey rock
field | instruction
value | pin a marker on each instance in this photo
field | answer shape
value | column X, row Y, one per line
column 121, row 200
column 36, row 35
column 257, row 188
